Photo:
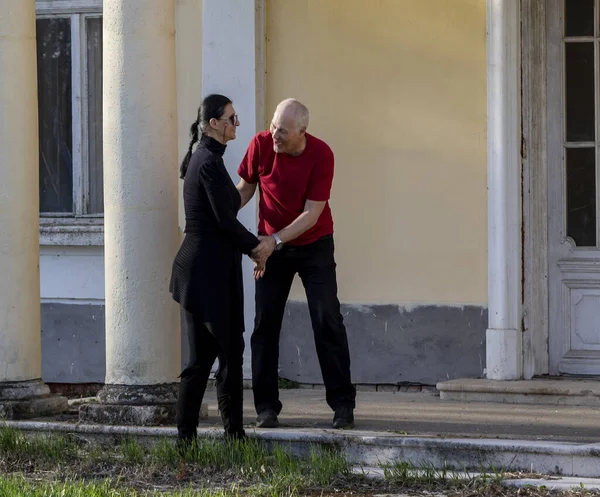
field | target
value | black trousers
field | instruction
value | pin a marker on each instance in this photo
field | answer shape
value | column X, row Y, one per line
column 204, row 349
column 315, row 264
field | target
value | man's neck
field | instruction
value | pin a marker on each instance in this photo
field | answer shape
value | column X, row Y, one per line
column 300, row 149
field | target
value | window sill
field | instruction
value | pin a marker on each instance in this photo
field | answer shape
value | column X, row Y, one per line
column 72, row 232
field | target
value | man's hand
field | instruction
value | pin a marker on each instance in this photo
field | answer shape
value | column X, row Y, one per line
column 264, row 249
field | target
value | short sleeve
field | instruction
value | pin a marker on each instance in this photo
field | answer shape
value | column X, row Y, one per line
column 321, row 177
column 248, row 169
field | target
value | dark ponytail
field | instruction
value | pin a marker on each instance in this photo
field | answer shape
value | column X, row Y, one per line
column 212, row 107
column 188, row 156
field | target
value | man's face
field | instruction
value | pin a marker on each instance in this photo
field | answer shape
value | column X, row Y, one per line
column 287, row 138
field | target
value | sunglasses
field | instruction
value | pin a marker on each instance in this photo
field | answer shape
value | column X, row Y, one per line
column 233, row 119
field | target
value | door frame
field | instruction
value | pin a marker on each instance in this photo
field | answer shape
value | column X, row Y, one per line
column 534, row 65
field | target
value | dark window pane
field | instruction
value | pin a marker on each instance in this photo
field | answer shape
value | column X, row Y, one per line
column 55, row 120
column 580, row 91
column 579, row 17
column 581, row 196
column 94, row 74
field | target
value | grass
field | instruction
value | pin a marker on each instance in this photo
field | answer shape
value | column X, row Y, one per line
column 66, row 465
column 251, row 465
column 405, row 473
column 19, row 487
column 285, row 384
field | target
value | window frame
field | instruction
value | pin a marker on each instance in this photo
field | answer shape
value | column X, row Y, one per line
column 79, row 227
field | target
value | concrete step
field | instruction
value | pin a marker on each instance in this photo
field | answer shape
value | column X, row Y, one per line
column 371, row 448
column 564, row 392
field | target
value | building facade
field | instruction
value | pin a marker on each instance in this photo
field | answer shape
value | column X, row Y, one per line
column 464, row 200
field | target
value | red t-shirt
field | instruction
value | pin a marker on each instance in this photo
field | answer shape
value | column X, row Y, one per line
column 287, row 182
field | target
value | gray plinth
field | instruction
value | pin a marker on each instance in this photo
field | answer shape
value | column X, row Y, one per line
column 29, row 399
column 140, row 405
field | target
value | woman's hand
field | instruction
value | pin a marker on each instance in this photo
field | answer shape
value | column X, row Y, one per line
column 260, row 255
column 259, row 271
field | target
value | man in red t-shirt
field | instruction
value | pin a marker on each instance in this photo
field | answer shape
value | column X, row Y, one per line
column 295, row 173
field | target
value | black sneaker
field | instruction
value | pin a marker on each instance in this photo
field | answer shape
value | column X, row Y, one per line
column 267, row 419
column 343, row 418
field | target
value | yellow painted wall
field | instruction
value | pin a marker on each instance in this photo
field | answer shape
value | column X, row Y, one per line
column 397, row 89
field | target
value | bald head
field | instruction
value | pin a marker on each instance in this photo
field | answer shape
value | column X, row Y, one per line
column 288, row 127
column 294, row 111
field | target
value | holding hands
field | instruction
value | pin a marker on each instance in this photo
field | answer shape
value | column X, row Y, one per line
column 261, row 253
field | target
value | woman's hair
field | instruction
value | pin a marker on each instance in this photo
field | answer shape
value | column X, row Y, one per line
column 211, row 107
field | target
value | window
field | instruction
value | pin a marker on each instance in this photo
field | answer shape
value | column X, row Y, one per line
column 69, row 61
column 581, row 36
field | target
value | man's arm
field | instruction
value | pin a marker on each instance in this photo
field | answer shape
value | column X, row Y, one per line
column 246, row 191
column 304, row 222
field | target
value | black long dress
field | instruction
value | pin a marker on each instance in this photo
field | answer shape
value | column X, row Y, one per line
column 207, row 282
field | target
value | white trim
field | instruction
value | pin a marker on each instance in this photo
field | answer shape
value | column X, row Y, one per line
column 97, row 302
column 504, row 337
column 77, row 78
column 74, row 232
column 68, row 7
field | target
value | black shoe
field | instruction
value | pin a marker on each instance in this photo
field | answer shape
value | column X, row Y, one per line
column 343, row 418
column 267, row 419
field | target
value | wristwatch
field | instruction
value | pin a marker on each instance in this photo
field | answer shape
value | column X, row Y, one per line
column 278, row 242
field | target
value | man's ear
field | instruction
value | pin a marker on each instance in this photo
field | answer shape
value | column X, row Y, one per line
column 302, row 130
column 213, row 123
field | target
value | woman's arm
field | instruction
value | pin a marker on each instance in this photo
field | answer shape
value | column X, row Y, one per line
column 217, row 184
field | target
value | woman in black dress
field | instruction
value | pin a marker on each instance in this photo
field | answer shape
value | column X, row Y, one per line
column 207, row 272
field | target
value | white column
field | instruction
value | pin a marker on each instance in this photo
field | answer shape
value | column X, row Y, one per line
column 504, row 335
column 233, row 36
column 20, row 329
column 140, row 205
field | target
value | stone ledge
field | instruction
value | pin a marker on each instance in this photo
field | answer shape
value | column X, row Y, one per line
column 369, row 448
column 132, row 415
column 140, row 395
column 35, row 407
column 538, row 391
column 23, row 390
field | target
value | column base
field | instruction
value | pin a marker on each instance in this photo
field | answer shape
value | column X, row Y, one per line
column 138, row 405
column 110, row 414
column 504, row 354
column 29, row 399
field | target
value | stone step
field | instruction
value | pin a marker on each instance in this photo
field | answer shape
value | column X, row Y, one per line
column 565, row 392
column 377, row 448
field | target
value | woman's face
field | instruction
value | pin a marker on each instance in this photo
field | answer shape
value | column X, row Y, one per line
column 228, row 123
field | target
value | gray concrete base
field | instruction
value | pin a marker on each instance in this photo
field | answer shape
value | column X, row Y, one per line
column 566, row 392
column 36, row 407
column 139, row 395
column 29, row 399
column 390, row 344
column 141, row 405
column 135, row 405
column 129, row 415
